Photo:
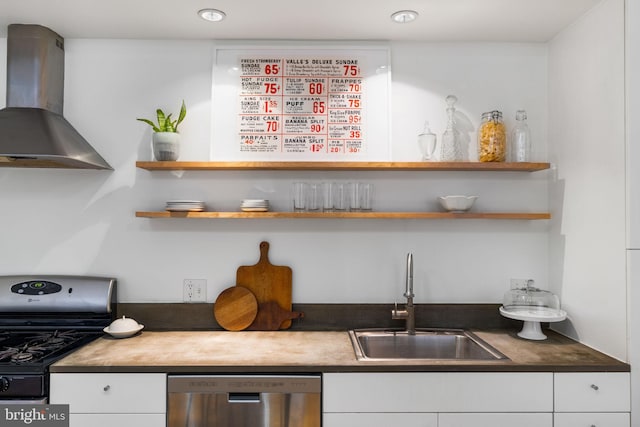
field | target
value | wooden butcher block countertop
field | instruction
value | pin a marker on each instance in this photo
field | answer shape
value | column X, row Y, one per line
column 313, row 351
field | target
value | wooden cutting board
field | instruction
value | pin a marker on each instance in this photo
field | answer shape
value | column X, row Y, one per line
column 267, row 282
column 270, row 317
column 235, row 308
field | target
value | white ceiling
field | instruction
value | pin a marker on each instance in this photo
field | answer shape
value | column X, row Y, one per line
column 439, row 20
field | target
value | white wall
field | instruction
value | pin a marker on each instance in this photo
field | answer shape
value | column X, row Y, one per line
column 587, row 194
column 633, row 198
column 82, row 222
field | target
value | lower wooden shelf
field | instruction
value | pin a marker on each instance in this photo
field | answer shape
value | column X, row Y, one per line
column 349, row 215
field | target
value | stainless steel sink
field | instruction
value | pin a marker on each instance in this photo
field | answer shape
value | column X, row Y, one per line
column 426, row 344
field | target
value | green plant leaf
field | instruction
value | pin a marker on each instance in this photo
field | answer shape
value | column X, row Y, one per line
column 182, row 115
column 166, row 125
column 162, row 119
column 150, row 123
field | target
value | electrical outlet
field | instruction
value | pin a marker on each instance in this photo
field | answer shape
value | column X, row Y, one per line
column 194, row 290
column 519, row 283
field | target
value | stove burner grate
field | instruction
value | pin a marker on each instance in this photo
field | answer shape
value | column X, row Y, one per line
column 33, row 347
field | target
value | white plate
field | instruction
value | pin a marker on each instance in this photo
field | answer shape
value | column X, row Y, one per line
column 245, row 209
column 534, row 314
column 123, row 334
column 185, row 202
column 183, row 209
column 254, row 203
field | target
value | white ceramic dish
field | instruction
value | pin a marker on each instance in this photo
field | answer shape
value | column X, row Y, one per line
column 457, row 203
column 123, row 334
column 124, row 327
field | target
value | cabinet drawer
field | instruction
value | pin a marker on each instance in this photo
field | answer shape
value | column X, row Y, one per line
column 495, row 420
column 592, row 392
column 438, row 392
column 380, row 420
column 110, row 393
column 122, row 420
column 620, row 419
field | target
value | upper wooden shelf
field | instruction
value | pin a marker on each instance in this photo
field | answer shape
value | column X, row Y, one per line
column 351, row 166
column 352, row 215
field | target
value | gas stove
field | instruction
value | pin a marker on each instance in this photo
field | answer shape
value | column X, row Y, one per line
column 42, row 319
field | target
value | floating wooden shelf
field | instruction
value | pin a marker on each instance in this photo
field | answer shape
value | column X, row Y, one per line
column 337, row 166
column 348, row 215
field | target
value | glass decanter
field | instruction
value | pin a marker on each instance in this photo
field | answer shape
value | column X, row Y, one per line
column 427, row 143
column 451, row 143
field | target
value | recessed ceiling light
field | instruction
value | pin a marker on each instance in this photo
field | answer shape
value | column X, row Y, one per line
column 213, row 15
column 404, row 16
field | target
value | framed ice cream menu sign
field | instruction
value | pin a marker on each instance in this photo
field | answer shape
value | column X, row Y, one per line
column 300, row 103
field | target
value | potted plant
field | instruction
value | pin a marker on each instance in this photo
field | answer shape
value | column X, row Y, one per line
column 166, row 139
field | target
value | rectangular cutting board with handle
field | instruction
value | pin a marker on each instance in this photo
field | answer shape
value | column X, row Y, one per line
column 267, row 282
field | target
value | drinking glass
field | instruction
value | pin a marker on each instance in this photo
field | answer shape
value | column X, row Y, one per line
column 314, row 196
column 340, row 196
column 299, row 190
column 365, row 190
column 328, row 189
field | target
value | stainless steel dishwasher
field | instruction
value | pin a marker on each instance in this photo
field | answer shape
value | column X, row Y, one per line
column 244, row 401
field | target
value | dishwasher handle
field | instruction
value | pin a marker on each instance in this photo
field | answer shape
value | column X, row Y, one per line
column 240, row 397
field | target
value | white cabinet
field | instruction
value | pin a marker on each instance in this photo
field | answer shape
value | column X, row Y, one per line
column 438, row 398
column 592, row 399
column 120, row 420
column 379, row 420
column 474, row 399
column 591, row 420
column 592, row 392
column 111, row 399
column 495, row 420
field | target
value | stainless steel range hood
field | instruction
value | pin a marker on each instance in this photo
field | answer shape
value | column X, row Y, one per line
column 33, row 132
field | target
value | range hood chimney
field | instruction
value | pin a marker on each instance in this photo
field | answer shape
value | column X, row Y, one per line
column 33, row 132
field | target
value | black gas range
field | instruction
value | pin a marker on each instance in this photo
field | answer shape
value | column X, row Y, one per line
column 42, row 319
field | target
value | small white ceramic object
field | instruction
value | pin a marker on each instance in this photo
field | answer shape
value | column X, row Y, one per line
column 123, row 328
column 457, row 203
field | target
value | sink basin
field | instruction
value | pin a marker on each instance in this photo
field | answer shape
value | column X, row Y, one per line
column 426, row 344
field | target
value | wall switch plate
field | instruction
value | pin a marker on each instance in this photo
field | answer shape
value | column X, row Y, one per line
column 194, row 290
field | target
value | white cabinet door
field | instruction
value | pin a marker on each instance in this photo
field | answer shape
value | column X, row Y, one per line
column 495, row 420
column 379, row 420
column 117, row 420
column 620, row 419
column 110, row 393
column 438, row 392
column 592, row 392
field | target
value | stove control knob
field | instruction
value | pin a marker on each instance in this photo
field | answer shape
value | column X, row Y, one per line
column 4, row 384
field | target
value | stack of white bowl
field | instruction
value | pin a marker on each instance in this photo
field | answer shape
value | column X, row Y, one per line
column 185, row 206
column 254, row 205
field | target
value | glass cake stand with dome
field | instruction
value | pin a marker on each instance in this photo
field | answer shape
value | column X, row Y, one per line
column 532, row 305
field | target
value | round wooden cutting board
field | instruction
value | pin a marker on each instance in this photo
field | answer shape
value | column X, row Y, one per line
column 235, row 308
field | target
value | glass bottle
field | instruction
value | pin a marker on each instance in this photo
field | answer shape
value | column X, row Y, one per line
column 521, row 139
column 492, row 138
column 451, row 143
column 427, row 143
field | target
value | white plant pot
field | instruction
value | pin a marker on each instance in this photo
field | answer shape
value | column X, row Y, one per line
column 166, row 146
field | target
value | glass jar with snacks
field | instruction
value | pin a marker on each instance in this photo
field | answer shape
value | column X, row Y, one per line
column 492, row 139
